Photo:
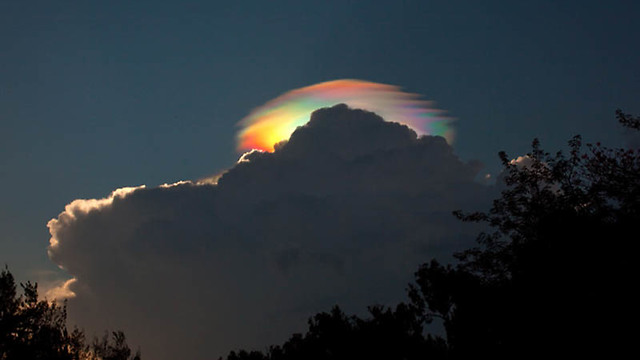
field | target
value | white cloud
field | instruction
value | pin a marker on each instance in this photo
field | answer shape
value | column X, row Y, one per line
column 342, row 213
column 521, row 161
column 80, row 207
column 59, row 290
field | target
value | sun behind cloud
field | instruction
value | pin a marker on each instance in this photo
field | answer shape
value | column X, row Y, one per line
column 276, row 120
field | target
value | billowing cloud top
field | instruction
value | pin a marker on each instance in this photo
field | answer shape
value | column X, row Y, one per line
column 341, row 213
column 276, row 120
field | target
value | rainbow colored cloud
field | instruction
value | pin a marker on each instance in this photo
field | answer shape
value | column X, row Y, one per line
column 276, row 120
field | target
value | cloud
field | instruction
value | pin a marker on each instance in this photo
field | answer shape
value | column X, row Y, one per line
column 522, row 161
column 277, row 119
column 341, row 213
column 59, row 290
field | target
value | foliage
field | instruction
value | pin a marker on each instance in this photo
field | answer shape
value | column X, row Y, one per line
column 36, row 329
column 555, row 276
column 389, row 334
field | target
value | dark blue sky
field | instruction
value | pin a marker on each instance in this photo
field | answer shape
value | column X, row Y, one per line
column 100, row 95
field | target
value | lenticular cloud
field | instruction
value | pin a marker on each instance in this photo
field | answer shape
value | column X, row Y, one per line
column 276, row 120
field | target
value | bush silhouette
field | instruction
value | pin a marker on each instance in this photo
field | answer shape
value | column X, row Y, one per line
column 37, row 329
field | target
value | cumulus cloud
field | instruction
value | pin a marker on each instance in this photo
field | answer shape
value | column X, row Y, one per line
column 59, row 290
column 341, row 213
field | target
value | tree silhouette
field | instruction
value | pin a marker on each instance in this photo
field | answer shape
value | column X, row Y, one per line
column 556, row 274
column 386, row 334
column 36, row 329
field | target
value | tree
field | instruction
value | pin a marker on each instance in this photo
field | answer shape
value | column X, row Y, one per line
column 556, row 273
column 386, row 334
column 36, row 329
column 110, row 348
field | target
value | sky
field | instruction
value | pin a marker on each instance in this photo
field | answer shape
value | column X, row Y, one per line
column 97, row 96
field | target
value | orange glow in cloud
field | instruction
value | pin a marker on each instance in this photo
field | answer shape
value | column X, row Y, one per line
column 276, row 120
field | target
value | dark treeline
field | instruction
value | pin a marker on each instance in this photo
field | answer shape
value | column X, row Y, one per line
column 35, row 329
column 555, row 276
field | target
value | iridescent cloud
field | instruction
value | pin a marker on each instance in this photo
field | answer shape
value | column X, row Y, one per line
column 276, row 120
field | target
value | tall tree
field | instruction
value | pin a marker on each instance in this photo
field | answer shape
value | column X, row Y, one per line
column 36, row 329
column 556, row 273
column 386, row 334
